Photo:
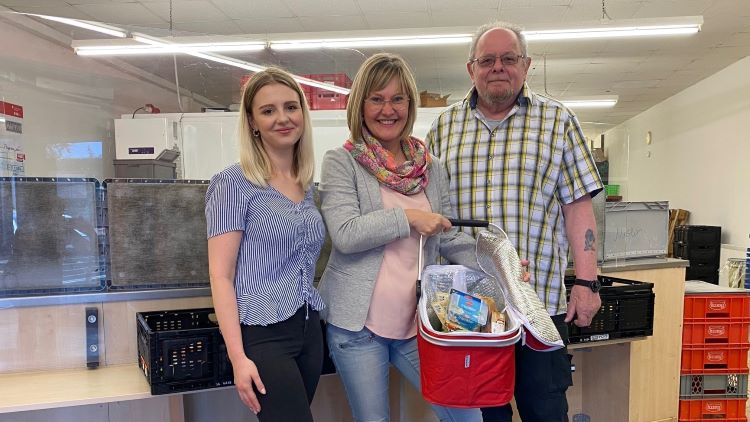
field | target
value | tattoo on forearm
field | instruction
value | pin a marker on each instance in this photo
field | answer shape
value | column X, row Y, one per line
column 590, row 241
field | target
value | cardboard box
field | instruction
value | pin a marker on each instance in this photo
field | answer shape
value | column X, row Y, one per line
column 431, row 99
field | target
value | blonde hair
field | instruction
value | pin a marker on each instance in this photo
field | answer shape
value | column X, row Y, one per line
column 254, row 161
column 374, row 75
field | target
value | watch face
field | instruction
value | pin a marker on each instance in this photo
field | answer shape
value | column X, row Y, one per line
column 596, row 285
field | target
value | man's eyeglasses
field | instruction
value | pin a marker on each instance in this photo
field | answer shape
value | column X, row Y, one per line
column 486, row 62
column 398, row 102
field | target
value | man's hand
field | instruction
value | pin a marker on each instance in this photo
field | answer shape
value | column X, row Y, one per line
column 583, row 305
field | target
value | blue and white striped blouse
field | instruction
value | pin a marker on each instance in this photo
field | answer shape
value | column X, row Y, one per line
column 279, row 248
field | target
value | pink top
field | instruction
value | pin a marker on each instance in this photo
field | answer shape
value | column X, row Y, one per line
column 393, row 305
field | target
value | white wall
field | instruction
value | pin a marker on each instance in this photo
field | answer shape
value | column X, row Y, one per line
column 699, row 155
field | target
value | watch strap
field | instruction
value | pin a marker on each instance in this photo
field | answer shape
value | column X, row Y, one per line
column 594, row 285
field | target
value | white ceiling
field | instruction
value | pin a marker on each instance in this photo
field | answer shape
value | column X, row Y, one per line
column 642, row 72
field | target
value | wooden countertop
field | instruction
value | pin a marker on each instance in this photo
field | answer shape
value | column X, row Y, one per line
column 73, row 387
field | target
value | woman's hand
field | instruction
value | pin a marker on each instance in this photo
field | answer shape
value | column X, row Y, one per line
column 526, row 273
column 245, row 375
column 427, row 223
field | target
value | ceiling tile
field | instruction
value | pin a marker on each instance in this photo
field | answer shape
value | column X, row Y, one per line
column 397, row 20
column 326, row 23
column 33, row 3
column 456, row 5
column 323, row 7
column 532, row 18
column 739, row 39
column 661, row 8
column 728, row 7
column 269, row 25
column 591, row 10
column 255, row 9
column 572, row 49
column 534, row 3
column 186, row 11
column 379, row 6
column 77, row 2
column 224, row 27
column 64, row 11
column 125, row 13
column 463, row 17
column 623, row 85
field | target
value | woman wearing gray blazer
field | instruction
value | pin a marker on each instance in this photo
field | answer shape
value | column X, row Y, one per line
column 379, row 193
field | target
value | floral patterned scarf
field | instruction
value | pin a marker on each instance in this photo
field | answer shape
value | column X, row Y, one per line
column 409, row 178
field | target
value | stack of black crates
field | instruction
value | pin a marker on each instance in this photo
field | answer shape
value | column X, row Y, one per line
column 701, row 245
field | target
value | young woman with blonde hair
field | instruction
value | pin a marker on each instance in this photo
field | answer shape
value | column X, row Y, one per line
column 264, row 237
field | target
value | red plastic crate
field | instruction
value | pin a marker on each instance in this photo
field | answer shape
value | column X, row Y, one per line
column 326, row 100
column 717, row 306
column 713, row 409
column 714, row 359
column 321, row 99
column 338, row 79
column 715, row 331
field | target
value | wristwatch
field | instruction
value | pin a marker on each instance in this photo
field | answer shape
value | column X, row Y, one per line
column 594, row 285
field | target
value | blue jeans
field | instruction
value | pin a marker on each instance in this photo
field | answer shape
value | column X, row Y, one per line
column 362, row 361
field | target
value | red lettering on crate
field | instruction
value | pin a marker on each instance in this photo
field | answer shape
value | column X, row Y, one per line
column 715, row 356
column 717, row 330
column 717, row 305
column 714, row 407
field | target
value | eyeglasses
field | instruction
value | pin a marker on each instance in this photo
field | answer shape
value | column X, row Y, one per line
column 486, row 62
column 398, row 102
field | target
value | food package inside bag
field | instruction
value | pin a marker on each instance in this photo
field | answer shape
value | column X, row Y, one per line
column 466, row 311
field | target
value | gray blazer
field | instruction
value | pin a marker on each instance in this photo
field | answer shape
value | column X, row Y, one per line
column 360, row 228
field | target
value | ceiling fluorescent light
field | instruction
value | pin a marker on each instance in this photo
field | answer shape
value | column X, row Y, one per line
column 168, row 49
column 397, row 41
column 626, row 28
column 91, row 26
column 591, row 102
column 152, row 41
column 368, row 39
column 161, row 43
column 230, row 61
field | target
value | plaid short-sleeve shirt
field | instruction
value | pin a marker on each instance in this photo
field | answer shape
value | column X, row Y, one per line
column 518, row 176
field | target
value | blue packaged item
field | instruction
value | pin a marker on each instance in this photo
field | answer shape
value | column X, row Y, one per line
column 466, row 311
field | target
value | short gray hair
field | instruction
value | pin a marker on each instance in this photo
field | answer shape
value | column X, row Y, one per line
column 498, row 25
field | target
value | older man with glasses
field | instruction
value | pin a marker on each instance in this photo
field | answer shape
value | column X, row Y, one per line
column 519, row 159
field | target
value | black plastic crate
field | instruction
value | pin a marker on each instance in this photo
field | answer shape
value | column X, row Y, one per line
column 627, row 311
column 182, row 350
column 698, row 235
column 700, row 254
column 702, row 271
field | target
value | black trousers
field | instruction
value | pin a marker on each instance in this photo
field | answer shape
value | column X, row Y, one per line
column 542, row 378
column 289, row 357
